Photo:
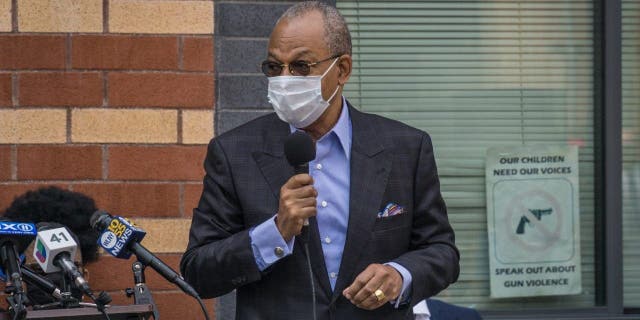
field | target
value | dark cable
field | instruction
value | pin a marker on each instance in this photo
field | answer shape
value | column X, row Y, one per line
column 100, row 302
column 204, row 310
column 313, row 285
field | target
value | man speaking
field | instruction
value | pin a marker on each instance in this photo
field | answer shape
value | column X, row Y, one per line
column 379, row 240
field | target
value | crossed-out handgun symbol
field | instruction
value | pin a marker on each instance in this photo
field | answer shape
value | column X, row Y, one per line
column 524, row 220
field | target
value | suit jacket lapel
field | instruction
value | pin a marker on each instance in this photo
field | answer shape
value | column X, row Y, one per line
column 370, row 167
column 276, row 171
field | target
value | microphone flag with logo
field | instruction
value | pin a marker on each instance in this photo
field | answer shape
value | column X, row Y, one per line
column 49, row 244
column 117, row 235
column 20, row 234
column 15, row 237
column 55, row 251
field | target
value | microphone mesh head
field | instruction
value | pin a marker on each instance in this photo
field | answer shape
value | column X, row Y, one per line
column 299, row 148
column 100, row 220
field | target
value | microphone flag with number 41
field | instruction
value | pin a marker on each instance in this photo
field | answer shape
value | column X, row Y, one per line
column 49, row 244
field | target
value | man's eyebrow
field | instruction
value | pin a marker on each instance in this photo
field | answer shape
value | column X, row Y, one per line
column 304, row 54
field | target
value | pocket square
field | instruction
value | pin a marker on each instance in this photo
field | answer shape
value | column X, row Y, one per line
column 391, row 209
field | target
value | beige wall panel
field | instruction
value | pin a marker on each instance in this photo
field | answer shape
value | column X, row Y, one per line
column 185, row 17
column 60, row 16
column 165, row 235
column 5, row 15
column 33, row 126
column 197, row 126
column 124, row 126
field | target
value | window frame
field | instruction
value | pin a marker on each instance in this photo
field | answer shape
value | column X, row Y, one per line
column 609, row 302
column 611, row 152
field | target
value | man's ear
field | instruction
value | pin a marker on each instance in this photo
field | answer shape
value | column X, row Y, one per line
column 344, row 68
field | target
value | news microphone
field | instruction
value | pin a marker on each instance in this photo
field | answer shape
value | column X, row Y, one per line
column 15, row 237
column 41, row 282
column 299, row 149
column 55, row 250
column 121, row 238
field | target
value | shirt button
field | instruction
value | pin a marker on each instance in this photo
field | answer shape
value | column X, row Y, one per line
column 327, row 240
column 319, row 166
column 324, row 204
column 278, row 251
column 333, row 275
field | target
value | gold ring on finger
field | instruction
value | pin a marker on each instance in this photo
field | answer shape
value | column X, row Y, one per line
column 379, row 295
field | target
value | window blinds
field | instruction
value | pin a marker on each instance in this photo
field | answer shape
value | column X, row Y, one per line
column 476, row 74
column 631, row 151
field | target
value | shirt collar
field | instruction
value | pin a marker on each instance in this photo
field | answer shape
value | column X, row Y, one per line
column 342, row 129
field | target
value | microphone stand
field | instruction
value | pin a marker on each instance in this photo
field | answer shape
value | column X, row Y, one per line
column 64, row 299
column 68, row 300
column 17, row 297
column 141, row 293
column 16, row 300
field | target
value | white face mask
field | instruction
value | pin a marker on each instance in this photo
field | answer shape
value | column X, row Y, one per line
column 298, row 100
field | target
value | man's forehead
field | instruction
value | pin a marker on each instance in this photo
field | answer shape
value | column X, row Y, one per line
column 291, row 53
column 297, row 37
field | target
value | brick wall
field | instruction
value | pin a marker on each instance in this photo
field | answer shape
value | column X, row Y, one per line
column 112, row 98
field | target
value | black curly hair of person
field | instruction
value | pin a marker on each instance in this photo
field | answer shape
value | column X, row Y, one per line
column 52, row 204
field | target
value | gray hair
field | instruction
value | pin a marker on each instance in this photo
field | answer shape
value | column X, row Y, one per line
column 336, row 31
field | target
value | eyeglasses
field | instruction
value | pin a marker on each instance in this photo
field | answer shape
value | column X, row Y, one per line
column 296, row 68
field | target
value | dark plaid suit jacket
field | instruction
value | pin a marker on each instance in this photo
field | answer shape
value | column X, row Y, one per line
column 245, row 168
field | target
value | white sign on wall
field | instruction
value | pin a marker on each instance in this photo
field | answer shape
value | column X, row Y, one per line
column 533, row 221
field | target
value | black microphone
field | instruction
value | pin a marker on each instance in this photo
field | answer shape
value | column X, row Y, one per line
column 121, row 238
column 33, row 278
column 299, row 149
column 44, row 284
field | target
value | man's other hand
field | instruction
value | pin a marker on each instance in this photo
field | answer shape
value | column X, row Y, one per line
column 362, row 292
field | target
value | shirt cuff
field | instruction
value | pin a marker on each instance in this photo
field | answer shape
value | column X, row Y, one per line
column 406, row 284
column 268, row 245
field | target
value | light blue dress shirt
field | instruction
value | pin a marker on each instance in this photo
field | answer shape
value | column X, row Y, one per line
column 331, row 175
